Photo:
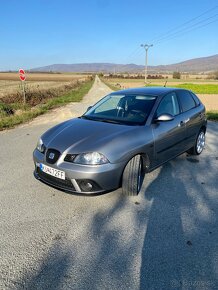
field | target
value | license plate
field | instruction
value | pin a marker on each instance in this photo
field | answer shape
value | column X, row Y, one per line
column 52, row 171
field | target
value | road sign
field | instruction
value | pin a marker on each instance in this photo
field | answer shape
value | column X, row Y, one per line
column 22, row 75
column 22, row 78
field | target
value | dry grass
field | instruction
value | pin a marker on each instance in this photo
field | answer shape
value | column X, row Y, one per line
column 210, row 101
column 10, row 84
column 11, row 87
column 40, row 95
column 36, row 77
column 14, row 112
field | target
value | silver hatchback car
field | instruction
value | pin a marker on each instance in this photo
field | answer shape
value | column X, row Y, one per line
column 121, row 137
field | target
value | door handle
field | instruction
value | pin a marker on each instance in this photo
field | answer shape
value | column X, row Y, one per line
column 181, row 124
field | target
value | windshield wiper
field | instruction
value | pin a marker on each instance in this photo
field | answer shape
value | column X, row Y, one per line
column 110, row 121
column 88, row 118
column 100, row 120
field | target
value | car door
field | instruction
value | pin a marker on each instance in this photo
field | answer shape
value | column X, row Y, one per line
column 192, row 115
column 169, row 136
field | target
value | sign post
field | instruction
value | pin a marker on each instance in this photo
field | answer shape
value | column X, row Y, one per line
column 23, row 78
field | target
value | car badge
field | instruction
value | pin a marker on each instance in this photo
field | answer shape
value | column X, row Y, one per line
column 51, row 156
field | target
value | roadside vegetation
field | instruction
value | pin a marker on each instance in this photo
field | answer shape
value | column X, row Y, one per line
column 212, row 115
column 13, row 111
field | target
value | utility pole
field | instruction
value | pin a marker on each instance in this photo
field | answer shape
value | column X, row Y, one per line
column 146, row 47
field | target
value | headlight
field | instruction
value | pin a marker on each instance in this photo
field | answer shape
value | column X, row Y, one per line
column 92, row 158
column 40, row 146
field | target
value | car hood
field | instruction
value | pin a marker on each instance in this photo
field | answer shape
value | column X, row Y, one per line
column 80, row 135
column 117, row 142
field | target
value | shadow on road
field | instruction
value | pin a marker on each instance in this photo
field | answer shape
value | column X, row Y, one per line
column 164, row 250
column 164, row 239
column 52, row 272
column 177, row 252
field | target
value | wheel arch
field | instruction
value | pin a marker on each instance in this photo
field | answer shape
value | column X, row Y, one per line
column 203, row 128
column 145, row 160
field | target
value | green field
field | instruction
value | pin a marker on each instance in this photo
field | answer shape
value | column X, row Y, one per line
column 199, row 88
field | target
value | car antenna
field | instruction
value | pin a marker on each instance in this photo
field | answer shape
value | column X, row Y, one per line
column 165, row 84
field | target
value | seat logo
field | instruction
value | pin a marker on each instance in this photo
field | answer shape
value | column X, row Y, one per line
column 51, row 156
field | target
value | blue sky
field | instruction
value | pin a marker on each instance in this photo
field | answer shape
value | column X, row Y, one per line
column 42, row 32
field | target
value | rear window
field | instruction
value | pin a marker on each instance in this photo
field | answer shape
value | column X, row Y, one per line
column 186, row 100
column 197, row 101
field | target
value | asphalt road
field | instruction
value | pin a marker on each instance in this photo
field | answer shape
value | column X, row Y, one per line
column 165, row 238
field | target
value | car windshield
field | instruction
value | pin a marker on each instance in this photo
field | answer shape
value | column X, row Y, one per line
column 122, row 109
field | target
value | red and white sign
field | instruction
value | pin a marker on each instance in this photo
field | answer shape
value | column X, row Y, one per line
column 22, row 74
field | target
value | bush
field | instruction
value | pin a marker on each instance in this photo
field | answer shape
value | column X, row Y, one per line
column 5, row 110
column 176, row 75
column 216, row 75
column 157, row 77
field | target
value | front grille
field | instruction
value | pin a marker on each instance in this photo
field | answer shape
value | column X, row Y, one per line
column 57, row 182
column 52, row 156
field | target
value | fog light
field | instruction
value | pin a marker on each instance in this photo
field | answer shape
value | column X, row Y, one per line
column 85, row 185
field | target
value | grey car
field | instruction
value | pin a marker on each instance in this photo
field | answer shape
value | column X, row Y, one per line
column 123, row 136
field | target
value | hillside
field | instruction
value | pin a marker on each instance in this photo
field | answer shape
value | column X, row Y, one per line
column 202, row 64
column 197, row 65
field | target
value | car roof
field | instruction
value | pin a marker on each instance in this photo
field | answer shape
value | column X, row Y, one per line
column 157, row 91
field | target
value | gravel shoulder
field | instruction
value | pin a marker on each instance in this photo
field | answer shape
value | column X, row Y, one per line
column 165, row 238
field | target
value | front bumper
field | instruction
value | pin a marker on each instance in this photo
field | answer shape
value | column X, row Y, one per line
column 103, row 178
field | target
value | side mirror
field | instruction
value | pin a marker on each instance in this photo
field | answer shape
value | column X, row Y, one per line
column 164, row 118
column 89, row 108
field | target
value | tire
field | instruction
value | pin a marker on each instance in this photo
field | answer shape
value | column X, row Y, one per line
column 132, row 176
column 199, row 144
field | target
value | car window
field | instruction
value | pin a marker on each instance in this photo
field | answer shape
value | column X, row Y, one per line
column 107, row 105
column 168, row 105
column 186, row 100
column 126, row 109
column 197, row 101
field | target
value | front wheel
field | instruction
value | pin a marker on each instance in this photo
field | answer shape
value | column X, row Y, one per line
column 132, row 176
column 199, row 144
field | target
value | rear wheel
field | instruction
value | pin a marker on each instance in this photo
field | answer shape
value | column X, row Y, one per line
column 199, row 144
column 133, row 176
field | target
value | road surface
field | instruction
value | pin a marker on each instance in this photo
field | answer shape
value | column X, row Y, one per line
column 165, row 238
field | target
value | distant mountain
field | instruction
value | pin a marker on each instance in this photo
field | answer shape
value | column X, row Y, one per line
column 196, row 65
column 202, row 64
column 89, row 67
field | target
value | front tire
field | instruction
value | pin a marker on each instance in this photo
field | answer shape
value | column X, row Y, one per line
column 199, row 144
column 132, row 176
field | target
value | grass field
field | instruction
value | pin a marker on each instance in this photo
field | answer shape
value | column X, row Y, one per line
column 10, row 83
column 206, row 90
column 197, row 86
column 40, row 95
column 57, row 77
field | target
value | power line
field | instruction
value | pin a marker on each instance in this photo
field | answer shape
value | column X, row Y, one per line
column 130, row 56
column 185, row 32
column 185, row 23
column 134, row 52
column 174, row 32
